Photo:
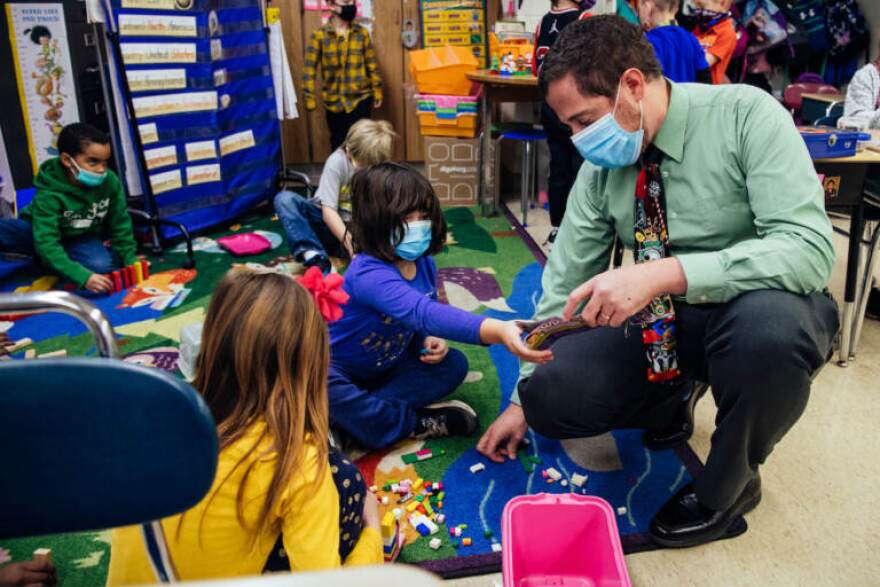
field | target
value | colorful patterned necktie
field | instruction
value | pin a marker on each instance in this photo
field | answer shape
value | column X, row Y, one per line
column 657, row 320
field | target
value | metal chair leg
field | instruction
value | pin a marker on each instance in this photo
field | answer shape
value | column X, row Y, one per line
column 526, row 179
column 865, row 291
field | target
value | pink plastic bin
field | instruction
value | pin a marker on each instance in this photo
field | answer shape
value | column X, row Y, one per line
column 246, row 243
column 563, row 540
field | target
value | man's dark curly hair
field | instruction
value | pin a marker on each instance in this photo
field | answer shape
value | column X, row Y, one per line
column 597, row 51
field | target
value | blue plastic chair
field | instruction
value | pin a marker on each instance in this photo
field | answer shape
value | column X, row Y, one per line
column 94, row 443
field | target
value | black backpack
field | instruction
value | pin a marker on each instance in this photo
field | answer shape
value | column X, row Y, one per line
column 808, row 16
column 846, row 26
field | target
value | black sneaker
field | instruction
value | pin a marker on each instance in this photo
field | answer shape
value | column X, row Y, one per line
column 452, row 418
column 314, row 259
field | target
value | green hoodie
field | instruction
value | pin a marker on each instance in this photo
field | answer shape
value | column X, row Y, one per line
column 61, row 211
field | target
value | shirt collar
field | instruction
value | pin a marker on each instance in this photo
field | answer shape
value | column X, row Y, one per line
column 670, row 138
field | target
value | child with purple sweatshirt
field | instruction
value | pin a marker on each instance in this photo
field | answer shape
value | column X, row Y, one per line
column 390, row 363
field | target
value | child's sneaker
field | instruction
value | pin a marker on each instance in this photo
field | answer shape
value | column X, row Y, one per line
column 452, row 418
column 315, row 259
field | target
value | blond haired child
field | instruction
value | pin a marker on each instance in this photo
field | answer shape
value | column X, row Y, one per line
column 262, row 371
column 316, row 227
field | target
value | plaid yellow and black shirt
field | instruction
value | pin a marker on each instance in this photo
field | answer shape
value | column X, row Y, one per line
column 348, row 67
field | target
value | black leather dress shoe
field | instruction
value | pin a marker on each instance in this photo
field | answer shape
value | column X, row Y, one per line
column 682, row 426
column 683, row 521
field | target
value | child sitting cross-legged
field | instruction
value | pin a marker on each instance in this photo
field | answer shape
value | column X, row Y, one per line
column 390, row 363
column 79, row 202
column 316, row 227
column 262, row 370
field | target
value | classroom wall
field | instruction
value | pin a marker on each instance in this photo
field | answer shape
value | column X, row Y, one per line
column 871, row 8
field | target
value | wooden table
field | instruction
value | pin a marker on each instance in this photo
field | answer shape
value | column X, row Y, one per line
column 497, row 89
column 815, row 106
column 852, row 172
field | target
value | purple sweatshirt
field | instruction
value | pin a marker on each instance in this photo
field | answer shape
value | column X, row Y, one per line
column 387, row 312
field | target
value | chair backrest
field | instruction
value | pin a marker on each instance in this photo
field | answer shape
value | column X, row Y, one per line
column 97, row 443
column 826, row 89
column 792, row 96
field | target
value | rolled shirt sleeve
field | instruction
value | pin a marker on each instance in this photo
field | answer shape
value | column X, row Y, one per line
column 792, row 248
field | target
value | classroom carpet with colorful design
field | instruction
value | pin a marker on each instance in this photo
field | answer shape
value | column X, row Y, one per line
column 489, row 267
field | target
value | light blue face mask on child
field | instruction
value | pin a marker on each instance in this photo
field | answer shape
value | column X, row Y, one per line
column 416, row 240
column 606, row 144
column 88, row 178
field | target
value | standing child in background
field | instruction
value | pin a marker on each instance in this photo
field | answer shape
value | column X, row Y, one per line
column 564, row 158
column 715, row 31
column 390, row 361
column 681, row 56
column 352, row 85
column 262, row 371
column 316, row 228
column 79, row 201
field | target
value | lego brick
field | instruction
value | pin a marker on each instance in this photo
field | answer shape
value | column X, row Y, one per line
column 578, row 480
column 476, row 468
column 435, row 543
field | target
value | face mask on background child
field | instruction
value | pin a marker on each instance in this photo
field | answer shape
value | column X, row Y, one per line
column 88, row 178
column 416, row 240
column 348, row 12
column 606, row 144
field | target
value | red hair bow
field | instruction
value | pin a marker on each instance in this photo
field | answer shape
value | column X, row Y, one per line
column 327, row 291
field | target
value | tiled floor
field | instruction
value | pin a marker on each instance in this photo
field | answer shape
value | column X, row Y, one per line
column 819, row 522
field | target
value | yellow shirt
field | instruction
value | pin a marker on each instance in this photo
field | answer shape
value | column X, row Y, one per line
column 306, row 516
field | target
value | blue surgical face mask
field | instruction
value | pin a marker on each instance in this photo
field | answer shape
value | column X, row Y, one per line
column 606, row 144
column 88, row 178
column 416, row 240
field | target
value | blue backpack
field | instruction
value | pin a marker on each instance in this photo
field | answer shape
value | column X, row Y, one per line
column 847, row 29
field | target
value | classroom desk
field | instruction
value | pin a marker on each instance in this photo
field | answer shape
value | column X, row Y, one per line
column 852, row 172
column 815, row 106
column 497, row 89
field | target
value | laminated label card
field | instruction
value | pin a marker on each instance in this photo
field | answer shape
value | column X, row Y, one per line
column 154, row 25
column 196, row 174
column 236, row 142
column 144, row 80
column 201, row 150
column 150, row 4
column 160, row 157
column 165, row 181
column 137, row 53
column 149, row 133
column 174, row 103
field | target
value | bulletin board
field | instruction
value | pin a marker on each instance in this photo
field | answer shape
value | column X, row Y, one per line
column 459, row 23
column 199, row 83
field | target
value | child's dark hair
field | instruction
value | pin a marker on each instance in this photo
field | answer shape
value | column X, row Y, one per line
column 382, row 196
column 596, row 52
column 74, row 138
column 37, row 33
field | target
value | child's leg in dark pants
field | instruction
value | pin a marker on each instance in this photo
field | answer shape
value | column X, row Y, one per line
column 16, row 236
column 93, row 255
column 379, row 413
column 303, row 222
column 352, row 493
column 339, row 122
column 565, row 162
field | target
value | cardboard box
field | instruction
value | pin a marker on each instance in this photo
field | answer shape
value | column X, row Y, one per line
column 453, row 167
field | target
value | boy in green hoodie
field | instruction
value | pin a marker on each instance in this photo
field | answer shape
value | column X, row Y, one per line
column 79, row 201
